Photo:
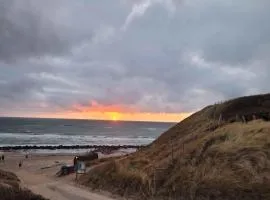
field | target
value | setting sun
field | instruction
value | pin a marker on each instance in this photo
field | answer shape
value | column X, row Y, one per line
column 117, row 112
column 118, row 116
column 114, row 116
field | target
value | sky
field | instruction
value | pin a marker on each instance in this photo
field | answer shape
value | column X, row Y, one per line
column 153, row 60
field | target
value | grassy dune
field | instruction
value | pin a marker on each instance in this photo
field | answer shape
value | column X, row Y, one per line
column 10, row 188
column 202, row 157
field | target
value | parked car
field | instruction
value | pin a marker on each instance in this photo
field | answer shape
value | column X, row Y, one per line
column 65, row 170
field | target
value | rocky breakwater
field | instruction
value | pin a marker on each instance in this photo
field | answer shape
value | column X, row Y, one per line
column 53, row 147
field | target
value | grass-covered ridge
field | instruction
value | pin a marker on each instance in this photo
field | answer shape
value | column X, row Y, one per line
column 202, row 157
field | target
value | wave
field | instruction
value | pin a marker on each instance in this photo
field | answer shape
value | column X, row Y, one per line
column 57, row 139
column 26, row 131
column 108, row 127
column 151, row 129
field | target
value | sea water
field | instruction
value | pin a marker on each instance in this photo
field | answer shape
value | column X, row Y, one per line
column 26, row 131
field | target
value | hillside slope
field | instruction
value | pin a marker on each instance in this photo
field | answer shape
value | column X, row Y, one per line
column 210, row 155
column 10, row 188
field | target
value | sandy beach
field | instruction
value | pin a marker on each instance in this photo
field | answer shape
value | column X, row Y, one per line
column 38, row 174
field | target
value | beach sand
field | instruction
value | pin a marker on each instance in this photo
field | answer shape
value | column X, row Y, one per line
column 38, row 174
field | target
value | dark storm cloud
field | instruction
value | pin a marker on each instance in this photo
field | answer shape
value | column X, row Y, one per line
column 25, row 32
column 152, row 55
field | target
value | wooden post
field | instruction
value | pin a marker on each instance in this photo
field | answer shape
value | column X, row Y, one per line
column 220, row 119
column 76, row 171
column 244, row 119
column 236, row 118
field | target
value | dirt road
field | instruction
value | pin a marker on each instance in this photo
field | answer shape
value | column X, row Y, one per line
column 55, row 189
column 43, row 182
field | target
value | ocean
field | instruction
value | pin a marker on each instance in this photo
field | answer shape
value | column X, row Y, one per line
column 26, row 131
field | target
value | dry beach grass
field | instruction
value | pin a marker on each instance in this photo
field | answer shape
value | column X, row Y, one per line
column 202, row 157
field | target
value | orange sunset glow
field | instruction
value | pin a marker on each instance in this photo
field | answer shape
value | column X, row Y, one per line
column 118, row 116
column 118, row 112
column 97, row 111
column 114, row 116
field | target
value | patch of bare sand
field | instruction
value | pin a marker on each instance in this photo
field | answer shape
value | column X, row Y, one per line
column 38, row 174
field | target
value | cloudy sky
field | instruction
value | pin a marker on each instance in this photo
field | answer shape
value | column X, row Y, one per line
column 130, row 59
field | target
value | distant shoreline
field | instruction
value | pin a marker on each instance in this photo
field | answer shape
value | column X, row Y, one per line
column 55, row 147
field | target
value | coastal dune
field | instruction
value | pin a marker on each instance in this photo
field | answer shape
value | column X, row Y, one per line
column 220, row 152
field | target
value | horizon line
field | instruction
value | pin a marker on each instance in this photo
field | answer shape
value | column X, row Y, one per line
column 87, row 119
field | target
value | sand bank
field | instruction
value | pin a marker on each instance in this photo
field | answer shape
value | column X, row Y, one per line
column 38, row 174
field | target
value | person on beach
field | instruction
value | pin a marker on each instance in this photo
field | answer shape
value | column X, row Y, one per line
column 20, row 164
column 75, row 161
column 3, row 158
